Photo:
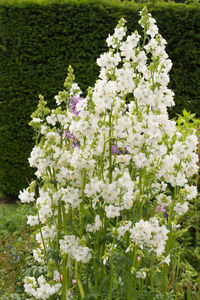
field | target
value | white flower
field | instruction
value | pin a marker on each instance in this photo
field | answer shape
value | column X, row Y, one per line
column 190, row 192
column 26, row 196
column 96, row 226
column 37, row 254
column 112, row 211
column 166, row 260
column 69, row 244
column 124, row 228
column 56, row 276
column 52, row 119
column 119, row 33
column 108, row 60
column 149, row 234
column 82, row 254
column 37, row 120
column 181, row 209
column 141, row 275
column 33, row 220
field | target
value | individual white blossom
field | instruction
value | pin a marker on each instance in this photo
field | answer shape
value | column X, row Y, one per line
column 166, row 260
column 181, row 209
column 26, row 196
column 141, row 274
column 33, row 220
column 38, row 256
column 112, row 211
column 96, row 226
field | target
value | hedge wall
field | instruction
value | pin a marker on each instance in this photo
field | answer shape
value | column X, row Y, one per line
column 38, row 42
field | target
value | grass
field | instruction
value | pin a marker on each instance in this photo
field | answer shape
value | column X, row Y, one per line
column 16, row 244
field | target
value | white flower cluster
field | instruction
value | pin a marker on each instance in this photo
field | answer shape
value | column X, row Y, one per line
column 40, row 289
column 96, row 226
column 26, row 196
column 70, row 245
column 150, row 235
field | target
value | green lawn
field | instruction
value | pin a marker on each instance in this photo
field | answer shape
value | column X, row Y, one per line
column 16, row 244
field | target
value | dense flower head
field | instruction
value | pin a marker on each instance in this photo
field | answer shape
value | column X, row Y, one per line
column 150, row 234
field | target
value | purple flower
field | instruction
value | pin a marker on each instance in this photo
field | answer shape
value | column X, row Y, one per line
column 72, row 105
column 154, row 108
column 160, row 208
column 64, row 134
column 70, row 135
column 75, row 143
column 115, row 149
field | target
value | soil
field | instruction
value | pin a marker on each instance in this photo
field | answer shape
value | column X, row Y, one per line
column 8, row 199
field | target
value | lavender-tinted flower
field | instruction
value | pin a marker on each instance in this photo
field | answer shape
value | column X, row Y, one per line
column 75, row 143
column 160, row 208
column 115, row 150
column 64, row 134
column 154, row 108
column 166, row 215
column 70, row 135
column 74, row 101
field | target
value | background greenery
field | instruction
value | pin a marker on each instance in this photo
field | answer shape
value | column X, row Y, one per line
column 39, row 39
column 16, row 244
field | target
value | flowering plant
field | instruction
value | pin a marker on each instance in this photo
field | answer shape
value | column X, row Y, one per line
column 112, row 178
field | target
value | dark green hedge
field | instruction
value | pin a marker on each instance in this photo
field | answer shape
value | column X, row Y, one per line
column 38, row 42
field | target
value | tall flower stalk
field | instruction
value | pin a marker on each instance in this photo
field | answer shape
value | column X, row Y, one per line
column 106, row 171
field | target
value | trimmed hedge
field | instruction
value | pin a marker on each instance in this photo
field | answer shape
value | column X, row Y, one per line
column 38, row 42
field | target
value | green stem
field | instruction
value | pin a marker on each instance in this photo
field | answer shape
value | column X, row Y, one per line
column 96, row 267
column 79, row 281
column 41, row 233
column 65, row 272
column 111, row 262
column 102, row 161
column 102, row 250
column 172, row 207
column 197, row 181
column 110, row 147
column 82, row 202
column 164, row 284
column 59, row 224
column 64, row 217
column 87, row 279
column 65, row 278
column 151, row 273
column 141, row 192
column 134, row 274
column 165, row 280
